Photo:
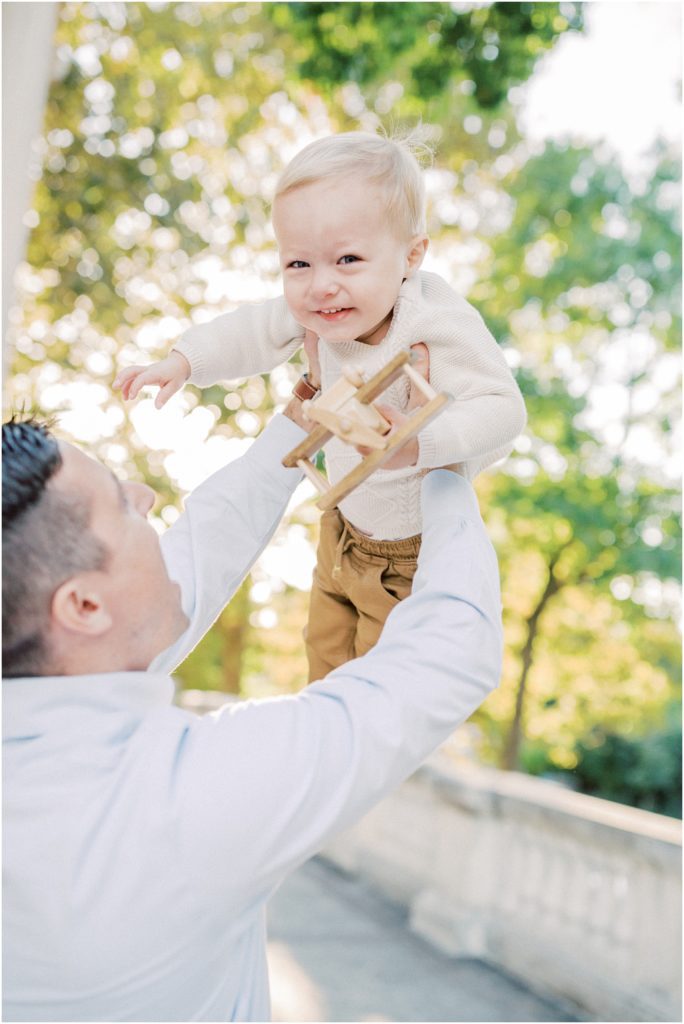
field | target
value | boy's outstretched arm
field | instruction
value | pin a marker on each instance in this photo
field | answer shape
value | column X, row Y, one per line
column 254, row 338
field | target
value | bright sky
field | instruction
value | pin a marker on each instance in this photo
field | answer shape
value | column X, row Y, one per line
column 618, row 81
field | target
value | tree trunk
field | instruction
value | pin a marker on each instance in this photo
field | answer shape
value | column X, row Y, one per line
column 234, row 625
column 509, row 759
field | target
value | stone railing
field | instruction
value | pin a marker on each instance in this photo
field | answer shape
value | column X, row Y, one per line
column 579, row 897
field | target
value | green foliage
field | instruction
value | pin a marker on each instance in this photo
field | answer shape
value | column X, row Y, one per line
column 584, row 284
column 642, row 771
column 241, row 655
column 431, row 48
column 582, row 244
column 645, row 772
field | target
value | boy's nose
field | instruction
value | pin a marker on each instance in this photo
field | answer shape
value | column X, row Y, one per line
column 324, row 284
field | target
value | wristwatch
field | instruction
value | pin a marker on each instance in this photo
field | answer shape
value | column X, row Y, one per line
column 304, row 389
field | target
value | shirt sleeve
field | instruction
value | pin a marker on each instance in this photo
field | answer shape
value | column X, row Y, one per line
column 262, row 785
column 254, row 338
column 226, row 524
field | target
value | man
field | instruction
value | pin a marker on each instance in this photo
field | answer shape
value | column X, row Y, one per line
column 142, row 843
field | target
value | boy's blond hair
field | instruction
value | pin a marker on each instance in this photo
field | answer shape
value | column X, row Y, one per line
column 390, row 163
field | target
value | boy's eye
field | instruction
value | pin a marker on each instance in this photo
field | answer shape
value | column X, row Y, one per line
column 297, row 264
column 348, row 259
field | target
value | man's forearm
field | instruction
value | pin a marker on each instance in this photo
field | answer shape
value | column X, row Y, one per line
column 437, row 659
column 227, row 522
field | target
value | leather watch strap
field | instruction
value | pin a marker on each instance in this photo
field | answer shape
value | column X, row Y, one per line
column 304, row 389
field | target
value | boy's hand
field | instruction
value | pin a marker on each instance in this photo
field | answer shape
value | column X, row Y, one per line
column 169, row 374
column 407, row 455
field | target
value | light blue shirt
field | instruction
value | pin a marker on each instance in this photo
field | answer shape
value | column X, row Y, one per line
column 141, row 842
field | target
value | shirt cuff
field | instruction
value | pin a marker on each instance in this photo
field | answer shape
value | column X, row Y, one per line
column 448, row 495
column 277, row 438
column 192, row 346
column 427, row 448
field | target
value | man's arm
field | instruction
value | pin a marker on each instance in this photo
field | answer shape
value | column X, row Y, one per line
column 264, row 784
column 226, row 524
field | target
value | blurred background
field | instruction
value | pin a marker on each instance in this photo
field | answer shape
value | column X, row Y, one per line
column 554, row 207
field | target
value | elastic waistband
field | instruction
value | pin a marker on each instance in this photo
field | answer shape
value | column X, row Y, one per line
column 407, row 547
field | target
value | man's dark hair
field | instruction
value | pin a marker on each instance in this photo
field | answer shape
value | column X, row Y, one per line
column 45, row 539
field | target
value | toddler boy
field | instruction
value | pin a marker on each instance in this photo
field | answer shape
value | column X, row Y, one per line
column 349, row 219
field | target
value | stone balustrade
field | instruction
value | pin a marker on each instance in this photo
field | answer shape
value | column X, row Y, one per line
column 578, row 897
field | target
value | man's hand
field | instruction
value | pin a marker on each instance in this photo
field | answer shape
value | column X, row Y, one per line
column 311, row 350
column 293, row 411
column 407, row 455
column 168, row 374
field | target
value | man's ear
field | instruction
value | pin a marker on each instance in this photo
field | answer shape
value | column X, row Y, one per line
column 416, row 254
column 78, row 606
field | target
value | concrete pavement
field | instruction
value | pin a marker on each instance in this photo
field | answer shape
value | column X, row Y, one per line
column 340, row 952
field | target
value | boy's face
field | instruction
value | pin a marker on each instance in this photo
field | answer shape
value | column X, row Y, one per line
column 342, row 262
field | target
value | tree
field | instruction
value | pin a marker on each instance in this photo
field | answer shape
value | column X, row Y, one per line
column 586, row 268
column 430, row 50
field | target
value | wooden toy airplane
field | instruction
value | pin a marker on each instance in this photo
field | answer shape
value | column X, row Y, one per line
column 345, row 411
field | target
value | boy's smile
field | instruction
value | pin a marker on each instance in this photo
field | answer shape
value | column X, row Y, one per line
column 343, row 263
column 333, row 315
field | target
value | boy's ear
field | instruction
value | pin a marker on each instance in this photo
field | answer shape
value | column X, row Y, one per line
column 416, row 254
column 78, row 606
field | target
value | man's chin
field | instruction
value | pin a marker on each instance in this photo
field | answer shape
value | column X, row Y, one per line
column 181, row 626
column 182, row 620
column 173, row 636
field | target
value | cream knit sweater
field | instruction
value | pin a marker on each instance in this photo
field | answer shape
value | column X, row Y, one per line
column 477, row 429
